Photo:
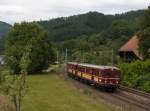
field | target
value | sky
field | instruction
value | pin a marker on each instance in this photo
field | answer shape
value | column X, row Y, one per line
column 12, row 11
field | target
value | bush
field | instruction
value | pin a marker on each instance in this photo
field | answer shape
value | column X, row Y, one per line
column 136, row 75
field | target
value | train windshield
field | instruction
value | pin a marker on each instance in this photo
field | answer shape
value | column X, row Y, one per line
column 111, row 73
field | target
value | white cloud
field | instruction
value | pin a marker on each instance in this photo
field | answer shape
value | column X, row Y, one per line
column 20, row 10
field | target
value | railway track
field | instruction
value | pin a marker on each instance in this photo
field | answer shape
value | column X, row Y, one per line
column 146, row 95
column 135, row 97
column 120, row 98
column 124, row 97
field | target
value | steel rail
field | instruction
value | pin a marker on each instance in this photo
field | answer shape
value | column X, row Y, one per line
column 134, row 91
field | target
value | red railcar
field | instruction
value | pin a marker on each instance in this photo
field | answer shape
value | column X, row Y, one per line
column 105, row 76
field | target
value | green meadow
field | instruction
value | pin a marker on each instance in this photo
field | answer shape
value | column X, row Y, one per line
column 51, row 92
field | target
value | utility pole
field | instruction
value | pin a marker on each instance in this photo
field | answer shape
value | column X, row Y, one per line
column 57, row 57
column 66, row 54
column 82, row 57
column 112, row 57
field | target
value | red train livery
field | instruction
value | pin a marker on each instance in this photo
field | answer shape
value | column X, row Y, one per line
column 105, row 76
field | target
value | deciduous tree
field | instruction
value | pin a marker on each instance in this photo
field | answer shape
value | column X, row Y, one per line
column 145, row 34
column 28, row 43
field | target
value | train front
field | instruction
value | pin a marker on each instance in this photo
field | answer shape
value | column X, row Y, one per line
column 111, row 77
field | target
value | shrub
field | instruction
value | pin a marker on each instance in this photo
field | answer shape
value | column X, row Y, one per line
column 136, row 75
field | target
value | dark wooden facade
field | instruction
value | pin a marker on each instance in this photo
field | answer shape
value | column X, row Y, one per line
column 130, row 50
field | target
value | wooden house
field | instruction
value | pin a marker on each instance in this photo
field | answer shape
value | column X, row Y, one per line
column 130, row 50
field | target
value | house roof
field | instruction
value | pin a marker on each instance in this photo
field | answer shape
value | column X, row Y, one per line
column 133, row 46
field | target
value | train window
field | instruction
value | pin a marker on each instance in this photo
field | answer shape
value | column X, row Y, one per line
column 88, row 70
column 111, row 73
column 95, row 72
column 82, row 69
column 73, row 66
column 79, row 69
column 100, row 73
column 69, row 66
column 116, row 73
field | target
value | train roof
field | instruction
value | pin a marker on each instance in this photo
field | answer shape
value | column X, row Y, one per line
column 93, row 66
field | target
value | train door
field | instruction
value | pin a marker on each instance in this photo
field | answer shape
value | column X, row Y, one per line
column 76, row 69
column 92, row 77
column 100, row 76
column 81, row 71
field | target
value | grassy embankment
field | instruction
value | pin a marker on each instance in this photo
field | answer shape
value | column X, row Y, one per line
column 50, row 92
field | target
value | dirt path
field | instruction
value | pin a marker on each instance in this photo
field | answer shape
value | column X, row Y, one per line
column 116, row 99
